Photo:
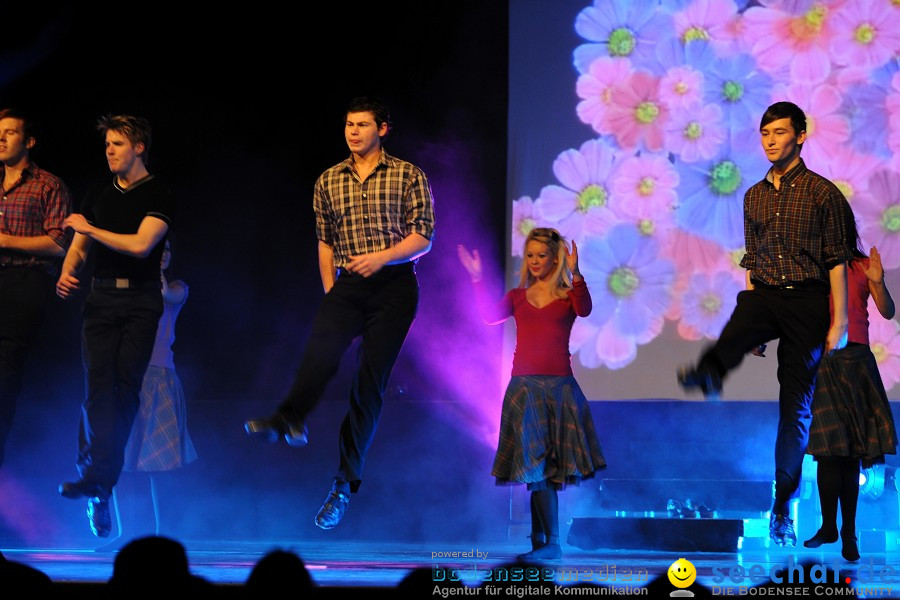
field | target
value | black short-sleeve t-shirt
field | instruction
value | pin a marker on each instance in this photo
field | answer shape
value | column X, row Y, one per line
column 121, row 210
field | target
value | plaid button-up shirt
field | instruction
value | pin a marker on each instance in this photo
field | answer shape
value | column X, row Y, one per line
column 36, row 205
column 356, row 218
column 795, row 233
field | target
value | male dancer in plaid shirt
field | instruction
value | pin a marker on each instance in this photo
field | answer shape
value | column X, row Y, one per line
column 796, row 251
column 374, row 219
column 33, row 206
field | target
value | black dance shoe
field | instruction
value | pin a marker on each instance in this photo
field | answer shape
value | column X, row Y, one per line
column 821, row 538
column 781, row 530
column 549, row 551
column 849, row 549
column 708, row 382
column 332, row 510
column 274, row 428
column 98, row 517
column 82, row 488
column 538, row 540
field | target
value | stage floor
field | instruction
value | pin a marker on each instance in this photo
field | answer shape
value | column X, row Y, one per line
column 381, row 565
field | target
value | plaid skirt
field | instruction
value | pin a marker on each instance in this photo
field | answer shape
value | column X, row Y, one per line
column 159, row 439
column 547, row 434
column 851, row 413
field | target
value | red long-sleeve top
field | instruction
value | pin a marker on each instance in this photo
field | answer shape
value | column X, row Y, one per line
column 542, row 334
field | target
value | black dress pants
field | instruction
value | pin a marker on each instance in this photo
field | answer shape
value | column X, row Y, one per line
column 118, row 333
column 381, row 309
column 799, row 319
column 24, row 296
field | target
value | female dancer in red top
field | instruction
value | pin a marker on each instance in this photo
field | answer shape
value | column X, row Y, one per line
column 547, row 435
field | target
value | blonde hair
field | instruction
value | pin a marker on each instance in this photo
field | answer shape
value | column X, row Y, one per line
column 561, row 281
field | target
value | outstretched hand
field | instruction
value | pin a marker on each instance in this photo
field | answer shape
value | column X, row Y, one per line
column 471, row 261
column 572, row 259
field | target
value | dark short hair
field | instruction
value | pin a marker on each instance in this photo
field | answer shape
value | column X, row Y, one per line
column 372, row 105
column 853, row 238
column 136, row 129
column 785, row 110
column 30, row 127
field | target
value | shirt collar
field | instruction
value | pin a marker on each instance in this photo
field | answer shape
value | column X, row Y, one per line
column 384, row 159
column 137, row 183
column 30, row 171
column 795, row 172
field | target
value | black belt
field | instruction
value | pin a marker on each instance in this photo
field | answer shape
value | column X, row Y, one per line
column 120, row 283
column 809, row 284
column 384, row 271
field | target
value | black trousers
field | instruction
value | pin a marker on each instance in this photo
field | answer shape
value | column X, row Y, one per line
column 799, row 320
column 118, row 334
column 24, row 296
column 381, row 309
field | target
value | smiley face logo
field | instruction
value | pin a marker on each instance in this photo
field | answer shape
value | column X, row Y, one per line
column 682, row 573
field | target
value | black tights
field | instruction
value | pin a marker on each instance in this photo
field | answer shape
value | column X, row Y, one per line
column 837, row 478
column 545, row 515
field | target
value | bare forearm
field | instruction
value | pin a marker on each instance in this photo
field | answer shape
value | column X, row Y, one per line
column 129, row 244
column 837, row 333
column 38, row 245
column 837, row 277
column 883, row 300
column 411, row 247
column 77, row 255
column 326, row 266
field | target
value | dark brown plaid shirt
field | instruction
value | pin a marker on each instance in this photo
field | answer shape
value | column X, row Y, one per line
column 361, row 218
column 795, row 233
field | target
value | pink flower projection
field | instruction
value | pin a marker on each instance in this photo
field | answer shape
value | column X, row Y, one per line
column 713, row 20
column 866, row 33
column 595, row 88
column 584, row 204
column 826, row 128
column 670, row 93
column 707, row 303
column 636, row 115
column 796, row 40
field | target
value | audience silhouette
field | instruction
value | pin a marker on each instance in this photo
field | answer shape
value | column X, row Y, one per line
column 154, row 563
column 277, row 571
column 23, row 576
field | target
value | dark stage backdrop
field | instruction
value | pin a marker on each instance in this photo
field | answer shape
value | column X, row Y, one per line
column 633, row 129
column 248, row 108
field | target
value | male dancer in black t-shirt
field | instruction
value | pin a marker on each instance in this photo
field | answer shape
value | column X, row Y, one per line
column 130, row 218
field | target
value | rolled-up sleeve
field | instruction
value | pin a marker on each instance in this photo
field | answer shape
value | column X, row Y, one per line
column 57, row 206
column 750, row 238
column 324, row 225
column 835, row 245
column 419, row 207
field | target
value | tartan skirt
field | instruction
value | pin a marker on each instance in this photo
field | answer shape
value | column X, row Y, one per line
column 547, row 434
column 851, row 413
column 159, row 439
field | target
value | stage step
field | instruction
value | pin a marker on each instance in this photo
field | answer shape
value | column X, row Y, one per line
column 639, row 533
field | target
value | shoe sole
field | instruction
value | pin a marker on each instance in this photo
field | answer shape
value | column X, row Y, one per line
column 73, row 493
column 296, row 442
column 98, row 531
column 262, row 434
